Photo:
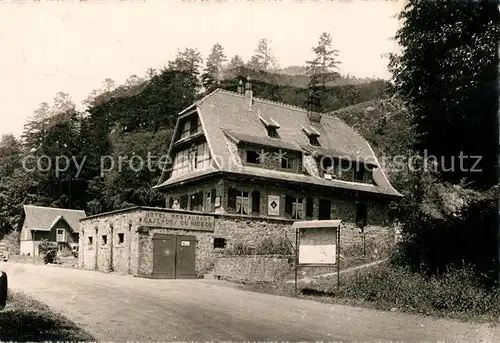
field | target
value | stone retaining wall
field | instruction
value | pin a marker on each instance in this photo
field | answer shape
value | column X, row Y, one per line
column 252, row 268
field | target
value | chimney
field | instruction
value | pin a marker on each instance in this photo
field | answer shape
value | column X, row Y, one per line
column 248, row 93
column 240, row 87
column 313, row 105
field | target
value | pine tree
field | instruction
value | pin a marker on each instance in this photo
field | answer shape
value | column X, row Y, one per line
column 323, row 68
column 213, row 71
column 235, row 62
column 188, row 60
column 263, row 58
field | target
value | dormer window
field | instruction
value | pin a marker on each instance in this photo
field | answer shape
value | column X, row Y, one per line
column 313, row 140
column 272, row 132
column 271, row 125
column 312, row 134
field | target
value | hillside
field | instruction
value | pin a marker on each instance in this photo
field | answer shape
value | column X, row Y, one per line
column 383, row 122
column 294, row 76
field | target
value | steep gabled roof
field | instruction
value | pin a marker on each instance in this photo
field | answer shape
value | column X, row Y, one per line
column 226, row 119
column 44, row 218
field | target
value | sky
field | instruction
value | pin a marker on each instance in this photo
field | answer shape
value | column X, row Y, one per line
column 52, row 46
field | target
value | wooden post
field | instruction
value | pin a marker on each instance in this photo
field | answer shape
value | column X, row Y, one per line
column 129, row 238
column 110, row 267
column 96, row 251
column 296, row 256
column 338, row 259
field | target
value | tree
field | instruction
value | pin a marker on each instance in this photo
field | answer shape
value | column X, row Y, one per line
column 235, row 62
column 62, row 103
column 133, row 80
column 108, row 84
column 150, row 73
column 447, row 73
column 188, row 60
column 213, row 70
column 263, row 58
column 322, row 68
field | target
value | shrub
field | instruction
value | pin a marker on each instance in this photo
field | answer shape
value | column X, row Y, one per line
column 276, row 246
column 265, row 246
column 458, row 292
column 238, row 249
column 49, row 250
column 12, row 242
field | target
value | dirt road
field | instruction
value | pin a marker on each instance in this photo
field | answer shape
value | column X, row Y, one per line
column 123, row 308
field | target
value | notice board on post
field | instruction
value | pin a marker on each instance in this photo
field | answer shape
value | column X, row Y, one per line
column 317, row 241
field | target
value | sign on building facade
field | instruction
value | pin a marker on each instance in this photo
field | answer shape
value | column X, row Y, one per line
column 172, row 220
column 273, row 205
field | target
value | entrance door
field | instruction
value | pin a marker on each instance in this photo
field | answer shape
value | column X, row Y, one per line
column 174, row 257
column 185, row 257
column 163, row 256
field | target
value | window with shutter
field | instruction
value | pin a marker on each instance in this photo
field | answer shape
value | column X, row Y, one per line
column 309, row 207
column 288, row 205
column 256, row 202
column 212, row 198
column 184, row 202
column 231, row 199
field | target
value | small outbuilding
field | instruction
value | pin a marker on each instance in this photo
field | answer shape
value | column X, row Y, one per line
column 53, row 224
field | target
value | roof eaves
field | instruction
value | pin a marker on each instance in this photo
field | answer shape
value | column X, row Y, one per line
column 391, row 188
column 169, row 162
column 199, row 102
column 207, row 137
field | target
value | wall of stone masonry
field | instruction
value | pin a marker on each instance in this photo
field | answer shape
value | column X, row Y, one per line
column 343, row 202
column 252, row 268
column 135, row 254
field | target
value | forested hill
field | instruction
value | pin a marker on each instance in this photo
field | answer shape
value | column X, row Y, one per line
column 136, row 118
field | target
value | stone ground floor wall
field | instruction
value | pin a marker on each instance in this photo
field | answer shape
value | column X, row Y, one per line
column 122, row 241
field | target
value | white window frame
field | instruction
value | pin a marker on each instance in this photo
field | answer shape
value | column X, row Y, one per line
column 58, row 235
column 241, row 199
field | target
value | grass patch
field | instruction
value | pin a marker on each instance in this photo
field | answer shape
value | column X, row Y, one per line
column 25, row 319
column 457, row 294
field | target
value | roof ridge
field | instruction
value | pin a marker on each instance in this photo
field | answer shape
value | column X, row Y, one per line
column 199, row 102
column 282, row 104
column 55, row 208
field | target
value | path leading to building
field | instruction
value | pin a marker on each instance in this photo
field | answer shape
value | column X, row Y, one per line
column 123, row 308
column 344, row 271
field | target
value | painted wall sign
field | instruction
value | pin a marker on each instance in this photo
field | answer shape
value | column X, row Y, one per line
column 185, row 243
column 173, row 220
column 273, row 205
